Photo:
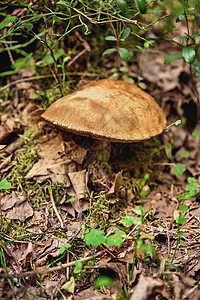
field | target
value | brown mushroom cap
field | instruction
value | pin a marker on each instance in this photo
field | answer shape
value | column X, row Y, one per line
column 108, row 110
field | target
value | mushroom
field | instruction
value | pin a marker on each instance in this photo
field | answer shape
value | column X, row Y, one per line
column 109, row 110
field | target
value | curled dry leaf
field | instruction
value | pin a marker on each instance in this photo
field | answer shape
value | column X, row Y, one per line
column 21, row 253
column 50, row 169
column 165, row 76
column 117, row 184
column 79, row 182
column 52, row 248
column 147, row 288
column 16, row 207
column 51, row 149
column 3, row 133
column 31, row 115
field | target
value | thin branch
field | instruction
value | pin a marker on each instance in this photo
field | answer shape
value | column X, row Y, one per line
column 115, row 19
column 48, row 270
column 55, row 209
column 46, row 76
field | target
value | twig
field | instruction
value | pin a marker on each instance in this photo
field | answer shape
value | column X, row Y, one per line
column 55, row 208
column 115, row 19
column 46, row 76
column 48, row 270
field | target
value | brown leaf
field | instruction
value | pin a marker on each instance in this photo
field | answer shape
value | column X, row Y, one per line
column 51, row 149
column 90, row 293
column 147, row 288
column 155, row 71
column 16, row 207
column 75, row 152
column 31, row 115
column 3, row 133
column 52, row 248
column 118, row 182
column 49, row 169
column 23, row 252
column 79, row 182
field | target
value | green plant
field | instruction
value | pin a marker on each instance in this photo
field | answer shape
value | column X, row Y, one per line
column 191, row 189
column 180, row 220
column 5, row 185
column 96, row 237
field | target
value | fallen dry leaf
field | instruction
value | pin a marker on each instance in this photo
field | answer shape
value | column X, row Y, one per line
column 51, row 286
column 75, row 152
column 22, row 253
column 117, row 184
column 52, row 148
column 147, row 288
column 79, row 182
column 52, row 248
column 50, row 169
column 165, row 76
column 16, row 207
column 3, row 133
column 31, row 115
column 92, row 294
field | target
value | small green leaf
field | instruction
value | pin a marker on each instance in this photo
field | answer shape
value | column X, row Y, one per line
column 28, row 25
column 178, row 122
column 139, row 210
column 127, row 221
column 191, row 179
column 48, row 59
column 116, row 239
column 196, row 66
column 5, row 185
column 130, row 220
column 180, row 234
column 172, row 57
column 197, row 35
column 185, row 154
column 183, row 39
column 110, row 38
column 109, row 51
column 193, row 186
column 168, row 150
column 180, row 220
column 196, row 133
column 146, row 44
column 180, row 18
column 144, row 180
column 179, row 169
column 7, row 21
column 182, row 242
column 190, row 9
column 66, row 58
column 141, row 5
column 8, row 73
column 187, row 196
column 122, row 4
column 64, row 247
column 103, row 281
column 125, row 54
column 125, row 34
column 123, row 70
column 183, row 207
column 189, row 54
column 95, row 237
column 78, row 267
column 178, row 11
